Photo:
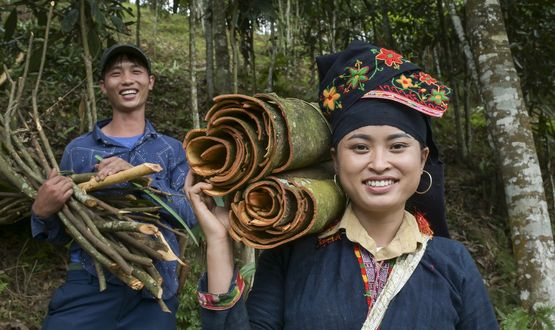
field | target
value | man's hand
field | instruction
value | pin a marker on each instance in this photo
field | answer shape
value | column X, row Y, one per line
column 110, row 166
column 52, row 195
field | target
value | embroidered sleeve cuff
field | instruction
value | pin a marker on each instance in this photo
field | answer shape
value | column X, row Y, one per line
column 221, row 301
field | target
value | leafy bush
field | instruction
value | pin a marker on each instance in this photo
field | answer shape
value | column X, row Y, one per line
column 541, row 319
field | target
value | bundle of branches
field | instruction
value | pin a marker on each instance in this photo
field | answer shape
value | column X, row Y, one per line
column 251, row 147
column 14, row 205
column 248, row 138
column 119, row 236
column 281, row 208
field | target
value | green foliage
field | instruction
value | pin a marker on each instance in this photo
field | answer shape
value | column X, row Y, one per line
column 188, row 312
column 539, row 319
column 10, row 25
column 3, row 282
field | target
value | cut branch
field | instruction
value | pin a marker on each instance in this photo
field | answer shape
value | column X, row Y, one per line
column 123, row 176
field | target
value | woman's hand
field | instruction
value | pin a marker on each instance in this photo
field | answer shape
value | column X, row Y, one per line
column 213, row 220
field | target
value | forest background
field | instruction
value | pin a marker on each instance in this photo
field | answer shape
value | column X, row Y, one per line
column 498, row 56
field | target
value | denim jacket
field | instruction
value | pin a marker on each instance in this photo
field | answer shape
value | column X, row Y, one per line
column 79, row 157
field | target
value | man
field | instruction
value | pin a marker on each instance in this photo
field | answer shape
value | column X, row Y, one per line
column 125, row 140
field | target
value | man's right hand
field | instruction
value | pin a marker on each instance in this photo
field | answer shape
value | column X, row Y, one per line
column 52, row 195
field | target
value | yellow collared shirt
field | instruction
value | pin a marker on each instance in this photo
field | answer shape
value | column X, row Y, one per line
column 406, row 239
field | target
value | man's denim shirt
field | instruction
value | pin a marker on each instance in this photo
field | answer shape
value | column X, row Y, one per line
column 152, row 147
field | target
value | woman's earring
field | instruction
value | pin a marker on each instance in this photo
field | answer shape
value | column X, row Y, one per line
column 335, row 180
column 429, row 187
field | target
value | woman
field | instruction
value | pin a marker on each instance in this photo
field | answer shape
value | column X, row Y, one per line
column 379, row 266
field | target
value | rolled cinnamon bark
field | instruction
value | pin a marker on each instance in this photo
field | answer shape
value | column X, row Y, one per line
column 248, row 138
column 281, row 208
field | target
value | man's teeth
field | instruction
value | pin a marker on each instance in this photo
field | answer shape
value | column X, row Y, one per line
column 379, row 183
column 128, row 92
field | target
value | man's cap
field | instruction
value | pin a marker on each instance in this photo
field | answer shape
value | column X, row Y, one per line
column 120, row 49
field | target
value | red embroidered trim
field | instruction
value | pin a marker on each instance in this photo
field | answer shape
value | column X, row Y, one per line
column 364, row 275
column 328, row 240
column 423, row 224
column 408, row 99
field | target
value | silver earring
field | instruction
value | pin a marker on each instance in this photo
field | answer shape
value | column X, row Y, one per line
column 429, row 186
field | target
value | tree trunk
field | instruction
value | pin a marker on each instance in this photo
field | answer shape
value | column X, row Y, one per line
column 386, row 25
column 88, row 65
column 446, row 56
column 234, row 47
column 273, row 52
column 138, row 24
column 332, row 27
column 208, row 37
column 222, row 75
column 518, row 161
column 253, row 59
column 459, row 29
column 467, row 112
column 193, row 63
column 175, row 6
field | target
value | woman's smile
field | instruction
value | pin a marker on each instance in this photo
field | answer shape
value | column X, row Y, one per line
column 379, row 167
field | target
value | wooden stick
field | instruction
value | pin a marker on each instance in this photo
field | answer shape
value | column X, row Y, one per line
column 125, row 238
column 88, row 247
column 43, row 137
column 123, row 176
column 100, row 275
column 86, row 233
column 163, row 306
column 128, row 255
column 110, row 226
column 150, row 284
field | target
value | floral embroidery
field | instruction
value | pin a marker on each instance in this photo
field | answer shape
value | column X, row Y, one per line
column 390, row 58
column 357, row 76
column 438, row 96
column 428, row 79
column 406, row 82
column 331, row 98
column 382, row 73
